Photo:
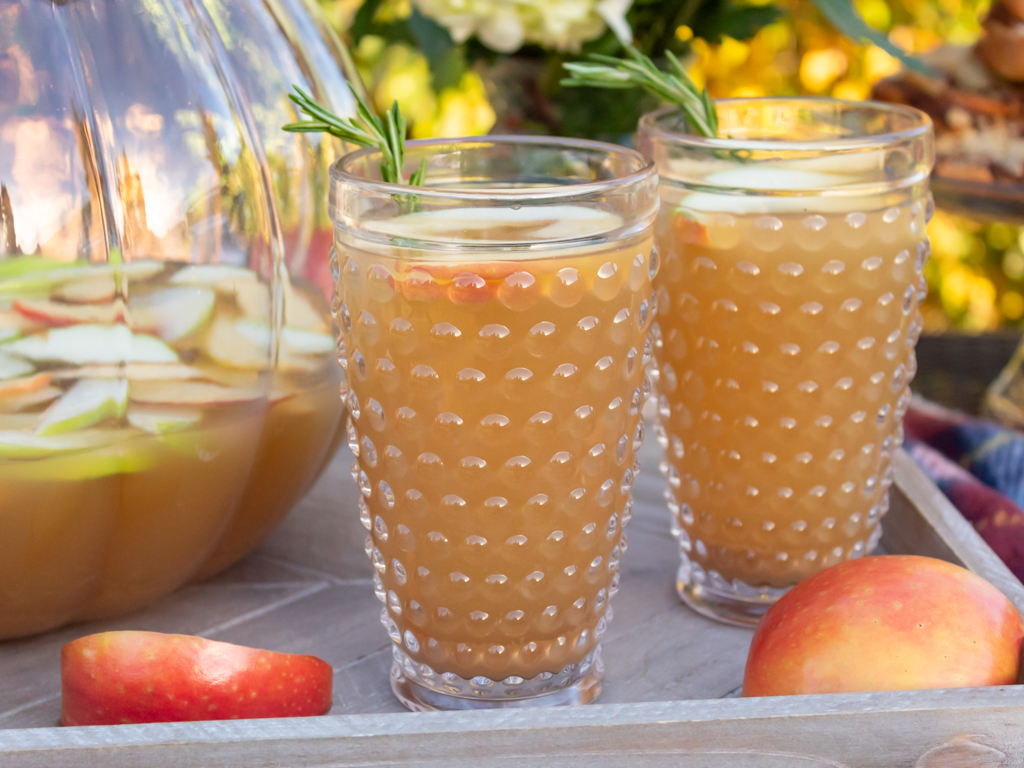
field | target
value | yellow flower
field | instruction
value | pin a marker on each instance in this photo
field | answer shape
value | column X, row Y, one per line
column 505, row 25
column 461, row 111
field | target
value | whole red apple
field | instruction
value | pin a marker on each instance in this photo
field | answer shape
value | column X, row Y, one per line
column 886, row 623
column 149, row 677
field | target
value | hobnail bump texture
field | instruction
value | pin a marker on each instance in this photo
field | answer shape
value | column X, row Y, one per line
column 495, row 436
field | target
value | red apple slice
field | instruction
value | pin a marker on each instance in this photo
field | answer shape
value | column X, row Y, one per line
column 173, row 313
column 54, row 314
column 26, row 445
column 14, row 324
column 160, row 421
column 24, row 385
column 191, row 393
column 15, row 403
column 90, row 344
column 86, row 403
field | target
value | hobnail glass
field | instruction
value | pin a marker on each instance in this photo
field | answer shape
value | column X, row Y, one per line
column 793, row 251
column 494, row 333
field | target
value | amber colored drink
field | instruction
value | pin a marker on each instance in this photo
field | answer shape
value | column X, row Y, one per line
column 788, row 314
column 147, row 441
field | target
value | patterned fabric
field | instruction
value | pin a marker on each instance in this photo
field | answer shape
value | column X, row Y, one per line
column 979, row 466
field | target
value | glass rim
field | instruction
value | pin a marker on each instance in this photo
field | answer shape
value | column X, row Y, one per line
column 921, row 126
column 536, row 194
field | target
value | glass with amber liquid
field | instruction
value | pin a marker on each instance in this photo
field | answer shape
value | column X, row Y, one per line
column 494, row 335
column 793, row 251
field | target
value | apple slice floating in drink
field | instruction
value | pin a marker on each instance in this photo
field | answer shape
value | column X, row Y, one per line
column 132, row 372
column 54, row 314
column 95, row 290
column 86, row 344
column 173, row 313
column 88, row 402
column 27, row 445
column 161, row 421
column 13, row 367
column 190, row 393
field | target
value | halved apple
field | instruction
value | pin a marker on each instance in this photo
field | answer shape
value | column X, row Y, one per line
column 86, row 403
column 55, row 314
column 27, row 445
column 160, row 421
column 172, row 313
column 191, row 393
column 88, row 344
column 13, row 367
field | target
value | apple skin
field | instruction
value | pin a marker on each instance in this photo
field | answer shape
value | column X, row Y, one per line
column 148, row 677
column 886, row 623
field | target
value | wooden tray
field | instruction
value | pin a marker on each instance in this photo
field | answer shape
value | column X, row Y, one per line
column 668, row 701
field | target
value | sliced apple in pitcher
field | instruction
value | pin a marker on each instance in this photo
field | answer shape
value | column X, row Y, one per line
column 43, row 275
column 55, row 314
column 253, row 299
column 230, row 346
column 88, row 402
column 157, row 420
column 191, row 393
column 23, row 385
column 92, row 290
column 131, row 371
column 28, row 445
column 172, row 313
column 27, row 401
column 91, row 344
column 14, row 367
column 307, row 342
column 300, row 312
column 223, row 277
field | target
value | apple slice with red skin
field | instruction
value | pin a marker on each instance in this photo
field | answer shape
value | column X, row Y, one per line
column 23, row 385
column 885, row 623
column 56, row 315
column 148, row 677
column 131, row 371
column 88, row 344
column 688, row 230
column 29, row 400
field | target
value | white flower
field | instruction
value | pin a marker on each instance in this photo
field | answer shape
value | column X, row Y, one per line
column 505, row 25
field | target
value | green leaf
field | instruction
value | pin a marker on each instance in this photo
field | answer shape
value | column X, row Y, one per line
column 447, row 60
column 845, row 18
column 362, row 24
column 740, row 22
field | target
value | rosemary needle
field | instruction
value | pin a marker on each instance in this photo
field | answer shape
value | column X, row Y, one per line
column 638, row 71
column 365, row 130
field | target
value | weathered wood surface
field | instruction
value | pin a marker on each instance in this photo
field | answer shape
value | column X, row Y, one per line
column 307, row 590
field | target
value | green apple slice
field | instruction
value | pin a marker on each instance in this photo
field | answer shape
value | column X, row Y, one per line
column 173, row 313
column 191, row 393
column 86, row 403
column 52, row 313
column 9, row 334
column 92, row 344
column 43, row 275
column 160, row 421
column 12, row 367
column 26, row 445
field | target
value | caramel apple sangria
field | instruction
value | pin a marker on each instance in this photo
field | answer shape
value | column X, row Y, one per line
column 793, row 249
column 155, row 422
column 494, row 333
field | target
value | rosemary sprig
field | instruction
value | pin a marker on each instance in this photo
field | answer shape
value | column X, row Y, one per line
column 365, row 130
column 674, row 86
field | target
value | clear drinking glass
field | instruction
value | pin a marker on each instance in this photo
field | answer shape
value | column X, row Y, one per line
column 787, row 316
column 494, row 333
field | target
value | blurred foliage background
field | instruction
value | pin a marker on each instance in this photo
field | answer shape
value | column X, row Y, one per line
column 429, row 56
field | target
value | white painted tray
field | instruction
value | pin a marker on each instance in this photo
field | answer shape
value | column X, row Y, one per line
column 668, row 701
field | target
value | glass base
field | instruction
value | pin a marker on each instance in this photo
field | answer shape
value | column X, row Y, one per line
column 735, row 603
column 421, row 698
